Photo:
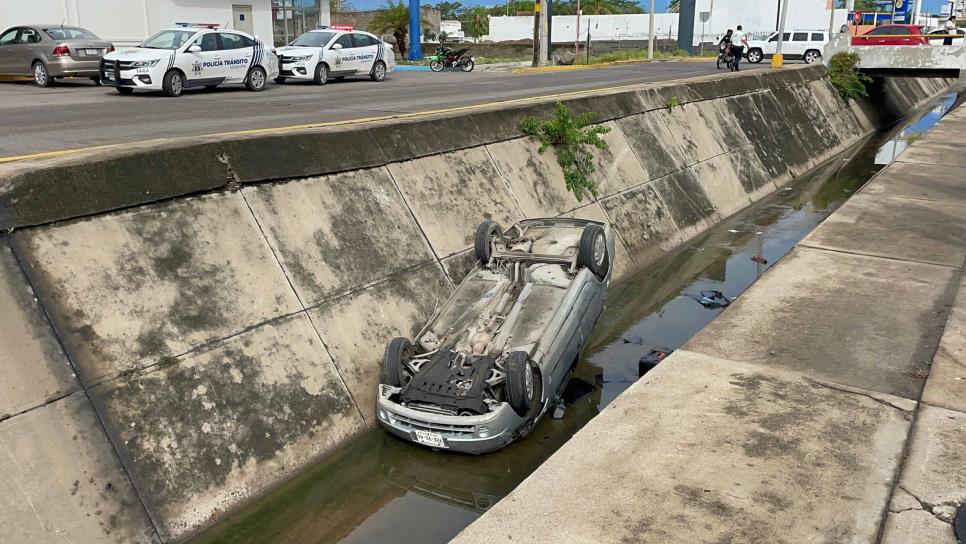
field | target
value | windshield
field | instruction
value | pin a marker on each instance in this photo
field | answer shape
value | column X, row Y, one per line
column 313, row 39
column 168, row 39
column 68, row 33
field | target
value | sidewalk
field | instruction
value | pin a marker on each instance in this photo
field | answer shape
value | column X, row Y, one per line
column 828, row 404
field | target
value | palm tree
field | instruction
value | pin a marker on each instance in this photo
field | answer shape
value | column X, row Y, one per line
column 478, row 22
column 393, row 19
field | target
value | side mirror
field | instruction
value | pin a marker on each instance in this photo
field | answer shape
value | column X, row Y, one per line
column 337, row 46
column 194, row 48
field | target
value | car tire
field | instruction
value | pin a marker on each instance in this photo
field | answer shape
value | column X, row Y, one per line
column 257, row 80
column 42, row 76
column 124, row 90
column 483, row 242
column 378, row 71
column 280, row 80
column 520, row 380
column 592, row 251
column 811, row 56
column 321, row 74
column 172, row 84
column 393, row 371
column 755, row 56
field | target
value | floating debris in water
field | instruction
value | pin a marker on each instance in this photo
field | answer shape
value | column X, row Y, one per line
column 711, row 299
column 651, row 360
column 759, row 259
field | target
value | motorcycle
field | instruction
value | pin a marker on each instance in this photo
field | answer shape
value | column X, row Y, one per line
column 449, row 58
column 724, row 55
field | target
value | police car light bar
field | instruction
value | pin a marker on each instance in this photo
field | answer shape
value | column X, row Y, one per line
column 199, row 25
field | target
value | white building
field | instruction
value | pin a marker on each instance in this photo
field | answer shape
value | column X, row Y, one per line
column 128, row 22
column 757, row 18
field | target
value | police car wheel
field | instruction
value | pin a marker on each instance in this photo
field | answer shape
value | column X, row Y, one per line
column 173, row 83
column 378, row 71
column 321, row 74
column 256, row 79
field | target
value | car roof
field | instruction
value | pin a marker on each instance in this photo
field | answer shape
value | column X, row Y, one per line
column 43, row 26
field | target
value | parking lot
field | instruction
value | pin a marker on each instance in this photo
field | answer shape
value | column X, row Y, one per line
column 76, row 114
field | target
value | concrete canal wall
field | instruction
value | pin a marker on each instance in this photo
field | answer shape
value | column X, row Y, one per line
column 827, row 404
column 188, row 323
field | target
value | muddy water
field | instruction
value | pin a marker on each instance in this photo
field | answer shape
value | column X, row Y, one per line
column 381, row 490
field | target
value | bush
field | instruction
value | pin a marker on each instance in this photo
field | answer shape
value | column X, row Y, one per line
column 845, row 76
column 572, row 140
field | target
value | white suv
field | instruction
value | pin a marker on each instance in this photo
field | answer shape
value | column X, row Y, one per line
column 325, row 53
column 804, row 45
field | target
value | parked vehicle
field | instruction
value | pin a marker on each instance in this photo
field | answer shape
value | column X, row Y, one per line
column 806, row 45
column 51, row 52
column 893, row 35
column 498, row 354
column 189, row 56
column 321, row 54
column 936, row 36
column 451, row 58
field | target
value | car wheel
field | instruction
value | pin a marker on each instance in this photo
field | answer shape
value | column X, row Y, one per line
column 811, row 56
column 124, row 90
column 468, row 65
column 394, row 372
column 755, row 56
column 41, row 75
column 483, row 243
column 592, row 251
column 378, row 71
column 280, row 80
column 256, row 79
column 520, row 382
column 173, row 83
column 321, row 74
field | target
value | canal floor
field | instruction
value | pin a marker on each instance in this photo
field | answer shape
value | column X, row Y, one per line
column 381, row 490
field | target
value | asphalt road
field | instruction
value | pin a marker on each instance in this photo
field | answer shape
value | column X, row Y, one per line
column 76, row 114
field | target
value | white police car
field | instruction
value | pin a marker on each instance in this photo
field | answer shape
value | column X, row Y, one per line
column 190, row 56
column 325, row 53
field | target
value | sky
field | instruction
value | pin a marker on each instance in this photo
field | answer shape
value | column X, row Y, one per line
column 659, row 5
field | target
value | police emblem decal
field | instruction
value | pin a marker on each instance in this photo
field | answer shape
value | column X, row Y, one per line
column 196, row 68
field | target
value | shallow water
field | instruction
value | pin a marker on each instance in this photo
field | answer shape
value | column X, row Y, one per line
column 379, row 489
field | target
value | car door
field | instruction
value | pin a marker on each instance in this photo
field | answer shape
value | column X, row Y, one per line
column 237, row 54
column 24, row 53
column 876, row 36
column 207, row 66
column 773, row 42
column 796, row 46
column 344, row 56
column 8, row 41
column 367, row 47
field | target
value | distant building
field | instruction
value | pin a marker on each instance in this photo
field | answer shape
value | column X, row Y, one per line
column 129, row 22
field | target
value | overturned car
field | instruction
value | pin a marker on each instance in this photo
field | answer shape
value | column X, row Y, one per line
column 498, row 354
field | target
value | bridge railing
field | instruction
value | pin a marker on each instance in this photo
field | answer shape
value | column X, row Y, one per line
column 918, row 59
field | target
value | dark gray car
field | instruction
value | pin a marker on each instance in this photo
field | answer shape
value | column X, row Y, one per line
column 49, row 52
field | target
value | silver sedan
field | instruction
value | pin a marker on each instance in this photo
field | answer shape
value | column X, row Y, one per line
column 49, row 52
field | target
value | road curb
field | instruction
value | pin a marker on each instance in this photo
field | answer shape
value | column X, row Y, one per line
column 539, row 69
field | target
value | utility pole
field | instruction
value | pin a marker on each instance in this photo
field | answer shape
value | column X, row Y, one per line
column 549, row 30
column 650, row 32
column 285, row 21
column 577, row 38
column 544, row 11
column 777, row 60
column 415, row 32
column 536, row 33
column 831, row 18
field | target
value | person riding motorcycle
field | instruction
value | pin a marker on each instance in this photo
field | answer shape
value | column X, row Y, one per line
column 724, row 49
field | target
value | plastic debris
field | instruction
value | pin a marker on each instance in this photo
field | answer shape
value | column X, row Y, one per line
column 711, row 299
column 652, row 358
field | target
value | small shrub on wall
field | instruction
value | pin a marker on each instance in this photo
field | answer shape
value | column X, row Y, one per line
column 844, row 73
column 572, row 139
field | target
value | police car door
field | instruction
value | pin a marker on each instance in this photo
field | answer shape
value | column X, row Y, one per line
column 345, row 62
column 205, row 67
column 237, row 53
column 366, row 49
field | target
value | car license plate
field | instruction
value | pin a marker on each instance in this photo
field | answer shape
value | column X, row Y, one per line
column 92, row 52
column 430, row 439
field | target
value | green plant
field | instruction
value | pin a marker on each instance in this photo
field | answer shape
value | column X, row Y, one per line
column 844, row 73
column 572, row 139
column 394, row 19
column 673, row 102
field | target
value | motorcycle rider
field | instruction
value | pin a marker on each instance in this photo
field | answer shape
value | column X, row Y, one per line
column 724, row 45
column 739, row 40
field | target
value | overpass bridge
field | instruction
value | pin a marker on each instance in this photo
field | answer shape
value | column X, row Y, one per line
column 901, row 60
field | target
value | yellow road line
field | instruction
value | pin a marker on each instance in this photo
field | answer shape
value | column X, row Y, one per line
column 563, row 68
column 63, row 152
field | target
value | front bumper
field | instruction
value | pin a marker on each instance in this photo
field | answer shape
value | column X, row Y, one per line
column 148, row 79
column 464, row 434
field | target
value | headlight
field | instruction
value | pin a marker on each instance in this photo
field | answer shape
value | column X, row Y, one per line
column 144, row 63
column 299, row 58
